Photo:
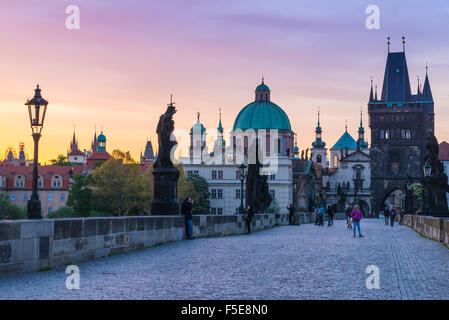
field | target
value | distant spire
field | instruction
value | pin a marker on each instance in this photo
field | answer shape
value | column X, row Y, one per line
column 361, row 115
column 346, row 125
column 220, row 127
column 427, row 92
column 198, row 116
column 318, row 115
column 263, row 79
column 375, row 97
column 403, row 44
column 371, row 95
column 388, row 44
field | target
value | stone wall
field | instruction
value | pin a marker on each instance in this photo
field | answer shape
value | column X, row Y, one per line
column 32, row 245
column 434, row 228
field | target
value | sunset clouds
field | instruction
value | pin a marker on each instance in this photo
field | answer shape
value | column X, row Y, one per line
column 119, row 69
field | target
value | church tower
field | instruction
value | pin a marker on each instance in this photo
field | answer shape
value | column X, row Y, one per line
column 147, row 157
column 197, row 148
column 220, row 143
column 361, row 139
column 400, row 123
column 319, row 150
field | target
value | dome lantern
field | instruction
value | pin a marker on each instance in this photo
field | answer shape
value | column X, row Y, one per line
column 262, row 92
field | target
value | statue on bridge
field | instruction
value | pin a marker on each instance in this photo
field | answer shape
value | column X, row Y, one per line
column 257, row 191
column 166, row 176
column 436, row 185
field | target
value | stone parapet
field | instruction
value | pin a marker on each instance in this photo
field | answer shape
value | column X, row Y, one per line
column 32, row 245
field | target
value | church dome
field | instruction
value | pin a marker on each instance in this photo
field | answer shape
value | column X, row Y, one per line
column 101, row 137
column 262, row 113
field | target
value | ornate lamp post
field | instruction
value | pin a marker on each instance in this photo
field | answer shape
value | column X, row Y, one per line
column 37, row 107
column 427, row 172
column 242, row 174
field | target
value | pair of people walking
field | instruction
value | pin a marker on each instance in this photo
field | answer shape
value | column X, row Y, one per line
column 390, row 215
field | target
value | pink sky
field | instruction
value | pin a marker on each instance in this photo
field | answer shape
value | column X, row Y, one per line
column 119, row 69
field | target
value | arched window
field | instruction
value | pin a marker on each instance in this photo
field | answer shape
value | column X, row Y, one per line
column 56, row 181
column 335, row 160
column 40, row 181
column 318, row 158
column 19, row 181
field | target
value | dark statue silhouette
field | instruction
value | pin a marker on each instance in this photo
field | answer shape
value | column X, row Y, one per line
column 166, row 176
column 435, row 186
column 257, row 191
column 164, row 130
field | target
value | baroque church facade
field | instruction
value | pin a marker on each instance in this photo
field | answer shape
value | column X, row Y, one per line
column 260, row 120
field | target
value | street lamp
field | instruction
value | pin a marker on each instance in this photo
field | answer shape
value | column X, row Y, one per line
column 242, row 173
column 37, row 107
column 427, row 171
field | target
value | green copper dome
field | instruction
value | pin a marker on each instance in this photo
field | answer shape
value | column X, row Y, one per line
column 262, row 113
column 101, row 137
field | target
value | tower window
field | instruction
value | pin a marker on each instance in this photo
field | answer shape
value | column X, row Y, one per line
column 318, row 158
column 395, row 159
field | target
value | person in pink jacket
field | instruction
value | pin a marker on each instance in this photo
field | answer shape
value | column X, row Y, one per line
column 356, row 216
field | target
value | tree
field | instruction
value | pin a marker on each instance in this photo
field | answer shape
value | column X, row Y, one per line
column 120, row 189
column 61, row 160
column 9, row 211
column 80, row 195
column 418, row 191
column 124, row 156
column 202, row 204
column 4, row 202
column 186, row 188
column 274, row 207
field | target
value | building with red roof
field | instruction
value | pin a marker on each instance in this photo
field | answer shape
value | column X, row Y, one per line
column 54, row 182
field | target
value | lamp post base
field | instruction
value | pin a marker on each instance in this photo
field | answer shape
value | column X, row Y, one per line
column 34, row 209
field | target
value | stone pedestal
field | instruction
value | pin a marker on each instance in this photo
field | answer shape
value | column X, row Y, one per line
column 165, row 192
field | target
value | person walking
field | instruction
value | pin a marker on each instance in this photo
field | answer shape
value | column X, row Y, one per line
column 401, row 216
column 330, row 215
column 321, row 213
column 392, row 216
column 348, row 216
column 186, row 211
column 291, row 214
column 356, row 216
column 386, row 214
column 249, row 213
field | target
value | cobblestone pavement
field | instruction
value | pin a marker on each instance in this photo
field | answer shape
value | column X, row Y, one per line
column 291, row 262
